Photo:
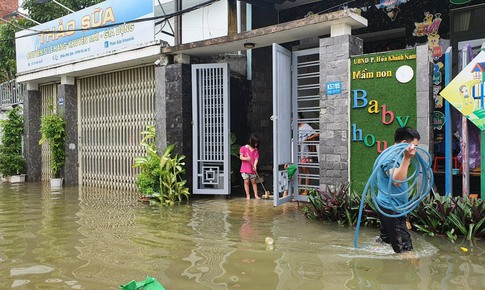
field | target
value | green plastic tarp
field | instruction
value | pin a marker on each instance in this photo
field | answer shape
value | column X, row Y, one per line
column 149, row 284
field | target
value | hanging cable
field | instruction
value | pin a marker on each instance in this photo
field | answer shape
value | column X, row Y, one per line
column 420, row 182
column 157, row 20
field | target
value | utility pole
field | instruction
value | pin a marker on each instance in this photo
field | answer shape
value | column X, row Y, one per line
column 178, row 23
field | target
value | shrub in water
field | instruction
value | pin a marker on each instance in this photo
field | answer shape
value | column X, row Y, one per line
column 12, row 161
column 451, row 216
column 161, row 176
column 339, row 204
column 435, row 215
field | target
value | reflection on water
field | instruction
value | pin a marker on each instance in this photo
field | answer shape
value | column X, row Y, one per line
column 85, row 238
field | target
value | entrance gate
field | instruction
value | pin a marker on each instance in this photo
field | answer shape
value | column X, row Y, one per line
column 49, row 103
column 113, row 109
column 282, row 127
column 211, row 129
column 306, row 93
column 296, row 101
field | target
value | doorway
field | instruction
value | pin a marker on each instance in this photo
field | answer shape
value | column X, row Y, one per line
column 296, row 123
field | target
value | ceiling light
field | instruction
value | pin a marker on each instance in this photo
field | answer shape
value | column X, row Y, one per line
column 249, row 45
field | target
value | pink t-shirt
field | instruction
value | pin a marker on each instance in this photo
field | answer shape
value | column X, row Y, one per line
column 246, row 166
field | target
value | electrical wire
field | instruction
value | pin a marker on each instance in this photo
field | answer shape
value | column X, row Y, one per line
column 336, row 6
column 420, row 181
column 165, row 22
column 163, row 17
column 13, row 24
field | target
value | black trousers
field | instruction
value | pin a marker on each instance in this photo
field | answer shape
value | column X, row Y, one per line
column 395, row 232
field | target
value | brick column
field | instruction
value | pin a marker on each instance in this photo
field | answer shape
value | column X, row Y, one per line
column 32, row 149
column 335, row 53
column 68, row 93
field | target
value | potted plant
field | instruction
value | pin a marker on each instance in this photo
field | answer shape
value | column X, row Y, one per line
column 12, row 161
column 53, row 130
column 161, row 176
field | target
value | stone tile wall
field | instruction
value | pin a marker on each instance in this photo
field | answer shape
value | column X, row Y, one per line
column 71, row 169
column 334, row 114
column 32, row 149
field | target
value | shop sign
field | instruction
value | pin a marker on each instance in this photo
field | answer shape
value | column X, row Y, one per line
column 101, row 29
column 466, row 92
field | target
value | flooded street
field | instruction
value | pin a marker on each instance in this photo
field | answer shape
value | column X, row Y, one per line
column 85, row 238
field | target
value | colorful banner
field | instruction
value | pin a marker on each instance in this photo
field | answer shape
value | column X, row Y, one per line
column 382, row 98
column 68, row 39
column 466, row 92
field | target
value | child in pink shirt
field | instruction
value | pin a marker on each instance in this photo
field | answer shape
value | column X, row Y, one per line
column 249, row 156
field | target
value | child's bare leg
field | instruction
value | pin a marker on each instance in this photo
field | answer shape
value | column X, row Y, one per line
column 246, row 188
column 305, row 170
column 255, row 188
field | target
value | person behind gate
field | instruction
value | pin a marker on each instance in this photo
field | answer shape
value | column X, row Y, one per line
column 306, row 133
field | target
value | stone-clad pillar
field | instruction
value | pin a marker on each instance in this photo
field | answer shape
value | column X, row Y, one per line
column 32, row 149
column 424, row 96
column 335, row 53
column 67, row 93
column 173, row 109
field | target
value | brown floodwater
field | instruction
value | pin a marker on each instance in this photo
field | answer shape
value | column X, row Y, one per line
column 87, row 238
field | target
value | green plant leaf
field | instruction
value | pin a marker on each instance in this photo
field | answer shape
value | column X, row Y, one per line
column 458, row 224
column 161, row 173
column 12, row 161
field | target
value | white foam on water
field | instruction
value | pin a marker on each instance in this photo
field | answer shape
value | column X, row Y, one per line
column 70, row 283
column 38, row 269
column 375, row 250
column 18, row 283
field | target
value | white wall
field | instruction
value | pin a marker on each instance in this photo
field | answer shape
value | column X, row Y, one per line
column 205, row 23
column 21, row 2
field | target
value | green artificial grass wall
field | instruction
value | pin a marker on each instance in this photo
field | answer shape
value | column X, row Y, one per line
column 379, row 104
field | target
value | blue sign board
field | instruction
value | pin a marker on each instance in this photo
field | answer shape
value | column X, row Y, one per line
column 100, row 29
column 334, row 88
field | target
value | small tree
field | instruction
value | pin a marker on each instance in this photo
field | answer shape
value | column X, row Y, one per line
column 7, row 50
column 12, row 161
column 44, row 12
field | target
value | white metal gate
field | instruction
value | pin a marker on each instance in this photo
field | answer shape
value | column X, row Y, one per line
column 282, row 129
column 49, row 104
column 306, row 93
column 211, row 129
column 113, row 110
column 296, row 101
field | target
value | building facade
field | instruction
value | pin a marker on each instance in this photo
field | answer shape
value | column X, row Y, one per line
column 109, row 94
